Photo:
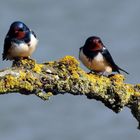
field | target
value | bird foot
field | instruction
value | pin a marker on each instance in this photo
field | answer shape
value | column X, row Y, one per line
column 100, row 73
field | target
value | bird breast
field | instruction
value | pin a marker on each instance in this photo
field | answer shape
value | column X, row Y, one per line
column 98, row 63
column 23, row 49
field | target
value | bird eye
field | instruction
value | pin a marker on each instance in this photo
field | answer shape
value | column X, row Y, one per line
column 20, row 29
column 97, row 41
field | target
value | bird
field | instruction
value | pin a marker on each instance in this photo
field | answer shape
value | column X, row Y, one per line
column 96, row 57
column 20, row 42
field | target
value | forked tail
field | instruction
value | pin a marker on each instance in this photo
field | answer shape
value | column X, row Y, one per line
column 123, row 70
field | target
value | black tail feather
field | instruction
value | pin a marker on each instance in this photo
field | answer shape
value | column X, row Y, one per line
column 123, row 70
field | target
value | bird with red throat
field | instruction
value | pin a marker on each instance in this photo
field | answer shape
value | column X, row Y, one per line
column 96, row 57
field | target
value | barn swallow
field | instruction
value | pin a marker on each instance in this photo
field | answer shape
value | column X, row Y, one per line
column 19, row 42
column 95, row 56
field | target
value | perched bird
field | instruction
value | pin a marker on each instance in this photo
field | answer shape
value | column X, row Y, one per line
column 95, row 56
column 19, row 42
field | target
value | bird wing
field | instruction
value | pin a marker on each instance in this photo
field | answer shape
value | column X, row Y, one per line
column 7, row 44
column 27, row 37
column 110, row 60
column 33, row 33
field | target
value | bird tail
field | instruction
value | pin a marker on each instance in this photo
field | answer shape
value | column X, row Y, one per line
column 122, row 70
column 3, row 56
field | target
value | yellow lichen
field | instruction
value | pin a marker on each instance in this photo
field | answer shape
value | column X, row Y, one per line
column 100, row 80
column 137, row 94
column 75, row 75
column 2, row 86
column 70, row 60
column 44, row 96
column 27, row 62
column 27, row 85
column 37, row 68
column 22, row 74
column 130, row 88
column 69, row 64
column 11, row 81
column 118, row 78
column 66, row 75
column 28, row 81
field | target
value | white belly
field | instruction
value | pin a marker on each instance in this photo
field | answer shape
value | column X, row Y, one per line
column 98, row 64
column 23, row 49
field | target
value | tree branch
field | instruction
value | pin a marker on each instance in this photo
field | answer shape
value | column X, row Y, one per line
column 65, row 76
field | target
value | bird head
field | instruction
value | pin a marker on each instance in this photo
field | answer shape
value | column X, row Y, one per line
column 93, row 43
column 18, row 30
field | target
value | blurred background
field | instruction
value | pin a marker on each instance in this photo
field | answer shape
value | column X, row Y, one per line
column 62, row 27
